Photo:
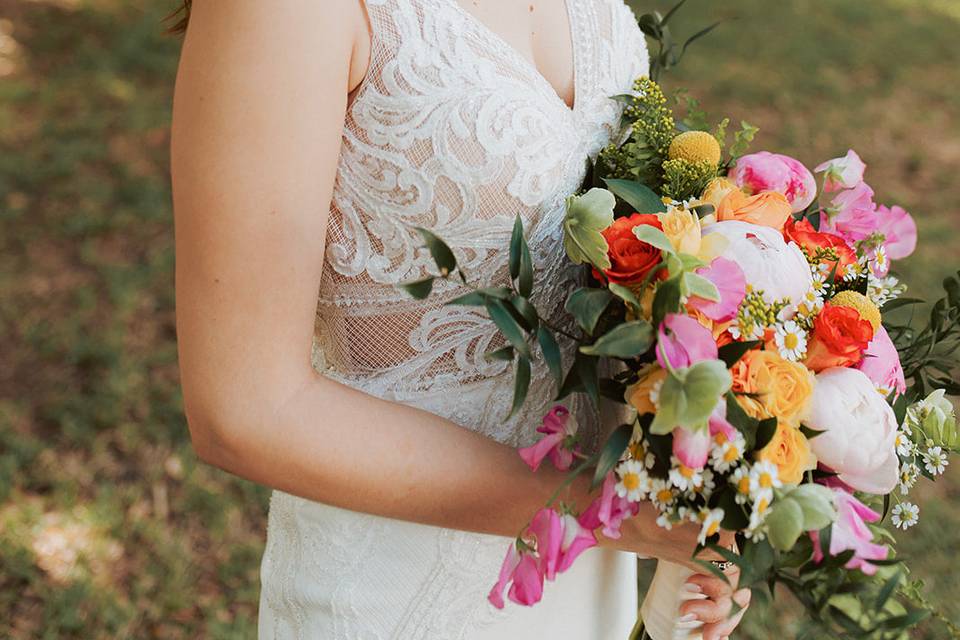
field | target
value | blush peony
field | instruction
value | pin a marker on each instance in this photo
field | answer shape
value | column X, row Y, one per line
column 859, row 430
column 765, row 171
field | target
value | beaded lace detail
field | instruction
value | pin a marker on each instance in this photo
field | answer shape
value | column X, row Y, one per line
column 453, row 130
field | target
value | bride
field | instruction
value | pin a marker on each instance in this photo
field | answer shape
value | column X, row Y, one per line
column 309, row 139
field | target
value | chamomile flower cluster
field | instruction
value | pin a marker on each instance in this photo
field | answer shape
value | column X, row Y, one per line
column 881, row 290
column 755, row 314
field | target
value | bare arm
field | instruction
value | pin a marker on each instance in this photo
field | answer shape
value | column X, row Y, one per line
column 259, row 109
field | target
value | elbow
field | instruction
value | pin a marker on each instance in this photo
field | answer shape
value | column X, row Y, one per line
column 216, row 439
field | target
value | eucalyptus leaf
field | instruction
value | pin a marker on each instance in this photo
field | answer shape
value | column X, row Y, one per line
column 439, row 251
column 627, row 340
column 587, row 372
column 508, row 326
column 816, row 503
column 688, row 396
column 666, row 300
column 638, row 195
column 419, row 289
column 766, row 430
column 586, row 217
column 527, row 312
column 625, row 294
column 653, row 236
column 521, row 384
column 521, row 265
column 504, row 353
column 612, row 451
column 551, row 353
column 586, row 305
column 732, row 352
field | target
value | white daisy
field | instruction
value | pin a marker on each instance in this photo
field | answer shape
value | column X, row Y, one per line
column 791, row 341
column 878, row 262
column 935, row 460
column 666, row 520
column 764, row 478
column 725, row 452
column 662, row 494
column 904, row 515
column 904, row 444
column 755, row 530
column 634, row 482
column 710, row 520
column 909, row 473
column 704, row 486
column 683, row 477
column 639, row 450
column 740, row 479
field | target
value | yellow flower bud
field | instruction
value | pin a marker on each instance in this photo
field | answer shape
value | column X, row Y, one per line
column 695, row 146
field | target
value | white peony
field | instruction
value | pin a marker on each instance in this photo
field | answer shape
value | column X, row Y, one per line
column 861, row 430
column 770, row 264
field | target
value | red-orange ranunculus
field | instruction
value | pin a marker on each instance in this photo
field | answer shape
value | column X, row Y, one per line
column 840, row 336
column 630, row 259
column 809, row 239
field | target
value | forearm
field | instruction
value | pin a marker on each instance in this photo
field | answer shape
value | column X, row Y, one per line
column 340, row 446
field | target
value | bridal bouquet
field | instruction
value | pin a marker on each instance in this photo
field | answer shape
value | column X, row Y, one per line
column 745, row 305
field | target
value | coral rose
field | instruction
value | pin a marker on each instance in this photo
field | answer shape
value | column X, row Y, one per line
column 840, row 336
column 767, row 208
column 631, row 259
column 790, row 451
column 811, row 241
column 782, row 388
column 638, row 395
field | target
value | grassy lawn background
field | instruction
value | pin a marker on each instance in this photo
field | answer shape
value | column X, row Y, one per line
column 109, row 528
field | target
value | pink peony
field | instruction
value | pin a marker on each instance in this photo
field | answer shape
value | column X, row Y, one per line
column 842, row 173
column 682, row 341
column 764, row 171
column 609, row 510
column 850, row 531
column 731, row 284
column 852, row 215
column 881, row 363
column 899, row 231
column 561, row 428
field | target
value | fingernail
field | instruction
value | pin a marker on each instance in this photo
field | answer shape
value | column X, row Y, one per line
column 690, row 617
column 692, row 588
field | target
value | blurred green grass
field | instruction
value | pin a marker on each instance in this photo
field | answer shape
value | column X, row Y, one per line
column 109, row 527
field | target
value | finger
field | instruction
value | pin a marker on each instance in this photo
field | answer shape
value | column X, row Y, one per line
column 707, row 611
column 712, row 586
column 723, row 628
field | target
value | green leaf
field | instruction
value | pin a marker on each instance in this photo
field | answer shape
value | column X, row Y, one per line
column 734, row 516
column 508, row 326
column 419, row 289
column 627, row 340
column 666, row 300
column 732, row 352
column 638, row 195
column 887, row 591
column 741, row 421
column 527, row 311
column 785, row 523
column 521, row 384
column 521, row 265
column 439, row 251
column 504, row 353
column 551, row 353
column 653, row 236
column 816, row 503
column 766, row 430
column 587, row 372
column 625, row 294
column 586, row 305
column 688, row 396
column 701, row 287
column 610, row 454
column 586, row 217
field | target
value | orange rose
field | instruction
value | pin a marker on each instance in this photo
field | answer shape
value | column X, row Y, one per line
column 767, row 208
column 780, row 388
column 631, row 259
column 790, row 451
column 840, row 335
column 638, row 394
column 810, row 240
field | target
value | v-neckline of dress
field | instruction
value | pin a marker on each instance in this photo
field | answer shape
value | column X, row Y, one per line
column 528, row 64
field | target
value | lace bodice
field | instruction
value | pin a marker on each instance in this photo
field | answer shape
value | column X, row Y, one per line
column 456, row 131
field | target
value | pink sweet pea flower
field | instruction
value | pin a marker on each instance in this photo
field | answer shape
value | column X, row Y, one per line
column 576, row 540
column 881, row 363
column 850, row 531
column 547, row 528
column 523, row 572
column 682, row 341
column 899, row 231
column 764, row 171
column 842, row 173
column 852, row 214
column 609, row 510
column 693, row 449
column 731, row 283
column 560, row 428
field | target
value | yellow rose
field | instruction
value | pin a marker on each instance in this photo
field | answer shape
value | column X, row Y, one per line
column 782, row 388
column 682, row 227
column 638, row 394
column 790, row 451
column 717, row 190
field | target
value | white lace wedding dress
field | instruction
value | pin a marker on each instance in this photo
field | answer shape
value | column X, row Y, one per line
column 453, row 130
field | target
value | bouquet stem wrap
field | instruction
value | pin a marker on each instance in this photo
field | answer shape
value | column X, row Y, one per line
column 660, row 608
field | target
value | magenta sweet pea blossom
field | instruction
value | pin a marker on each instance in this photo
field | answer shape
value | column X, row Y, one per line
column 852, row 214
column 881, row 363
column 560, row 429
column 899, row 231
column 682, row 341
column 521, row 570
column 576, row 540
column 731, row 283
column 693, row 448
column 765, row 171
column 547, row 528
column 609, row 510
column 850, row 531
column 842, row 173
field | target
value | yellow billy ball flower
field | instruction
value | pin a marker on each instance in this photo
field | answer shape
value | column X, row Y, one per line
column 856, row 300
column 695, row 146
